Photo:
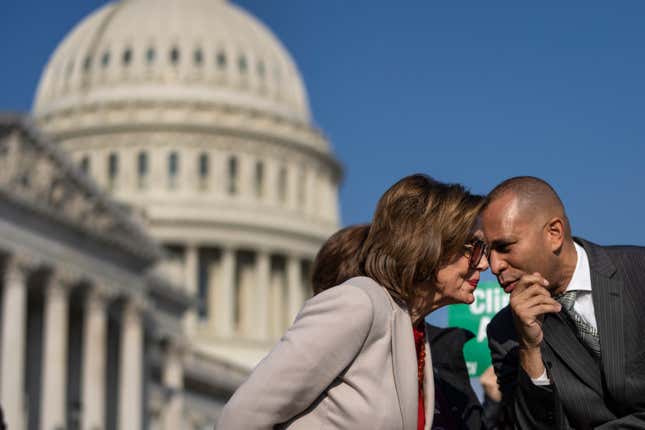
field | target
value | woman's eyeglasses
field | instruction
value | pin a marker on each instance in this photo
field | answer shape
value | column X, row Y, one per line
column 474, row 251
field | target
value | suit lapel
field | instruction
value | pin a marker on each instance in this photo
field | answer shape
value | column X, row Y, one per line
column 564, row 343
column 606, row 290
column 405, row 367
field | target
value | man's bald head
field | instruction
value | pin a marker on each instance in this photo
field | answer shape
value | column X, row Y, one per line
column 533, row 198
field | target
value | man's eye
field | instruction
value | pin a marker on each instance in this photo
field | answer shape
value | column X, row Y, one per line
column 503, row 248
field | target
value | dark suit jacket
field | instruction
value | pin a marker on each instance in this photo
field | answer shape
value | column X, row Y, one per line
column 451, row 375
column 584, row 394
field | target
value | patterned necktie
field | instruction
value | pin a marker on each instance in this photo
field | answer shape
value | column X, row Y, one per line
column 587, row 333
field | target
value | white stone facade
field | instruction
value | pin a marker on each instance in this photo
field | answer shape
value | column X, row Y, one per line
column 194, row 118
column 80, row 310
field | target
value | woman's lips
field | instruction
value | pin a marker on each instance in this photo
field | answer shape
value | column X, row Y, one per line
column 473, row 282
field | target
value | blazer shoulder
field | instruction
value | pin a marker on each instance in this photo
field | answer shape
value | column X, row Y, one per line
column 361, row 298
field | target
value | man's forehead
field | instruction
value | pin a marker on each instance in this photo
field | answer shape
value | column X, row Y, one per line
column 501, row 215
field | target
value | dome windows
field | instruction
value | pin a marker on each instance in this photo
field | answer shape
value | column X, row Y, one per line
column 221, row 60
column 142, row 170
column 232, row 185
column 174, row 55
column 242, row 64
column 198, row 57
column 127, row 57
column 173, row 170
column 259, row 179
column 282, row 185
column 150, row 55
column 113, row 170
column 85, row 165
column 105, row 59
column 87, row 64
column 204, row 170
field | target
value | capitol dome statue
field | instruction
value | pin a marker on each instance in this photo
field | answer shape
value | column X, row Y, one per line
column 195, row 118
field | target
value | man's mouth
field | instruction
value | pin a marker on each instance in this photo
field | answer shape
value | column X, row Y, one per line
column 473, row 282
column 509, row 286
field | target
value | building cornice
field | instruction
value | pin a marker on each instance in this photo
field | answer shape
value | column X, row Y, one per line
column 40, row 177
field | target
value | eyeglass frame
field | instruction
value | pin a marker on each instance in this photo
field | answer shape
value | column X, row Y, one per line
column 476, row 248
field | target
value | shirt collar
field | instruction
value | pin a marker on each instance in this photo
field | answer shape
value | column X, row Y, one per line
column 581, row 279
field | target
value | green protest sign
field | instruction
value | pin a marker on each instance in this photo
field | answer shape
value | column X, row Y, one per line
column 489, row 299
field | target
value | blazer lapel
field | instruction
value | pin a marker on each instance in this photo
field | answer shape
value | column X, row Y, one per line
column 564, row 343
column 428, row 383
column 405, row 367
column 606, row 291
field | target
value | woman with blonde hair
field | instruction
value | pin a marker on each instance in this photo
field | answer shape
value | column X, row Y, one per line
column 356, row 356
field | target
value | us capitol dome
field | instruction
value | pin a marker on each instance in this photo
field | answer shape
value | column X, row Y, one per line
column 195, row 119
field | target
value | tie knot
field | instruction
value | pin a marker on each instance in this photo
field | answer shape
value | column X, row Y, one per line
column 567, row 299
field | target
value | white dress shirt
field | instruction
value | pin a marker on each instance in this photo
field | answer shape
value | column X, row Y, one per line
column 580, row 282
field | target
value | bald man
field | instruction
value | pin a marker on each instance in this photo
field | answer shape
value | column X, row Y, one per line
column 569, row 350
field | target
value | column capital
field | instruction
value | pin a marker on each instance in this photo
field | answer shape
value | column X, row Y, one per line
column 178, row 347
column 19, row 266
column 99, row 295
column 60, row 280
column 136, row 305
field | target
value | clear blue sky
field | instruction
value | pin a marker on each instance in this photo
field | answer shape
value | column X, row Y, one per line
column 462, row 91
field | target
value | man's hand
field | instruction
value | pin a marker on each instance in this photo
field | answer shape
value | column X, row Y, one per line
column 489, row 384
column 530, row 300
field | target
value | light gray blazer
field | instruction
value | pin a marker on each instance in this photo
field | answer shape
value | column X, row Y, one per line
column 347, row 362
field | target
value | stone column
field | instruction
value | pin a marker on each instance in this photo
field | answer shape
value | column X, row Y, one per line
column 263, row 271
column 14, row 336
column 53, row 414
column 93, row 385
column 224, row 295
column 278, row 304
column 173, row 382
column 246, row 298
column 294, row 281
column 131, row 366
column 191, row 268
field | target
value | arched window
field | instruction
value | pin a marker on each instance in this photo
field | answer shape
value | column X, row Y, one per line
column 113, row 170
column 142, row 170
column 173, row 169
column 204, row 170
column 232, row 176
column 282, row 185
column 259, row 179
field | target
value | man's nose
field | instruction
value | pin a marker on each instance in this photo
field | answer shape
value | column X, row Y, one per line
column 496, row 264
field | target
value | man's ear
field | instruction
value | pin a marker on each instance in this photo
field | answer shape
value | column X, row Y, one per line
column 555, row 233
